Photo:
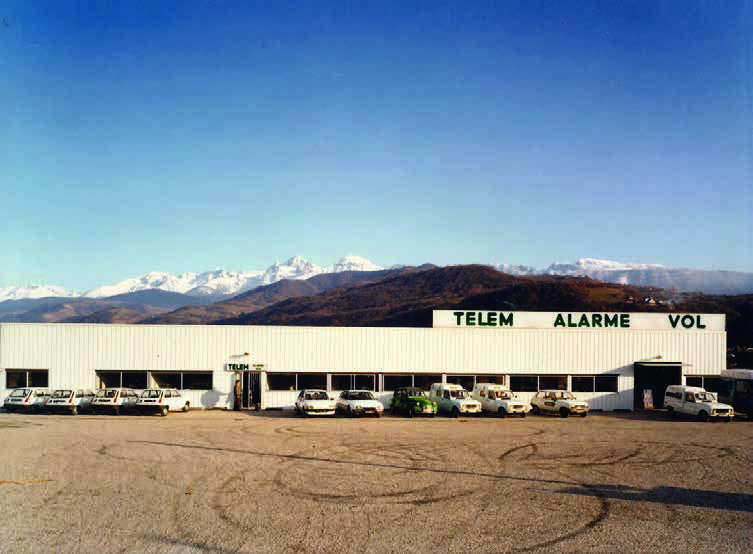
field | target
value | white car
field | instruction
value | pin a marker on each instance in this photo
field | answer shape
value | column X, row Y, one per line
column 500, row 400
column 453, row 400
column 359, row 402
column 696, row 402
column 115, row 401
column 315, row 402
column 29, row 400
column 70, row 400
column 162, row 401
column 560, row 402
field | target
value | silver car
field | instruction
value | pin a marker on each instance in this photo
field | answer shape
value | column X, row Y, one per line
column 115, row 401
column 27, row 400
column 73, row 401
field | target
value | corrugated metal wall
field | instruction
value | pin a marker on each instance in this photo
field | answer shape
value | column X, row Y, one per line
column 73, row 352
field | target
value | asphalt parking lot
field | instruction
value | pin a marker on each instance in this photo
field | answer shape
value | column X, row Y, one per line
column 271, row 482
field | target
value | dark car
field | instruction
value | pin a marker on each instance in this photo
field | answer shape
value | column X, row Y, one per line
column 412, row 402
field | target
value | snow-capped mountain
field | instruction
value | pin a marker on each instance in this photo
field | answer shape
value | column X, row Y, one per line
column 649, row 275
column 35, row 291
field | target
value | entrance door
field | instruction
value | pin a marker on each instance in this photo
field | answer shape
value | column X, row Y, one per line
column 251, row 396
column 657, row 377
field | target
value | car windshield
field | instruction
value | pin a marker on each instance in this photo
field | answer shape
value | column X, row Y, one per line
column 502, row 394
column 416, row 393
column 459, row 394
column 316, row 395
column 565, row 396
column 62, row 393
column 107, row 393
column 40, row 393
column 704, row 397
column 20, row 393
column 151, row 393
column 361, row 395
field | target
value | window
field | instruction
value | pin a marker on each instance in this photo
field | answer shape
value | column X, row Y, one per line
column 689, row 397
column 712, row 384
column 496, row 378
column 280, row 381
column 15, row 379
column 465, row 381
column 694, row 381
column 423, row 381
column 482, row 393
column 556, row 382
column 583, row 384
column 364, row 381
column 168, row 394
column 312, row 381
column 20, row 378
column 447, row 394
column 606, row 383
column 524, row 383
column 393, row 382
column 108, row 379
column 742, row 385
column 38, row 379
column 163, row 380
column 135, row 379
column 340, row 381
column 199, row 380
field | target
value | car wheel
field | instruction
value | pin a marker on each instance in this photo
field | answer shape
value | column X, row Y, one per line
column 163, row 411
column 455, row 412
column 502, row 413
column 535, row 410
column 584, row 414
column 350, row 411
column 670, row 411
column 410, row 412
column 187, row 407
column 74, row 410
column 522, row 414
column 564, row 412
column 703, row 415
column 117, row 410
column 728, row 419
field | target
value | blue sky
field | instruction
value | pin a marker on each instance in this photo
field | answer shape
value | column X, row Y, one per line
column 140, row 136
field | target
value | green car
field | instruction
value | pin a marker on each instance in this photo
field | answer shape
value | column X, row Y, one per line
column 413, row 402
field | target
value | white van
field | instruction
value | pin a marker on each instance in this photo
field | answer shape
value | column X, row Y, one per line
column 500, row 400
column 696, row 402
column 162, row 401
column 453, row 400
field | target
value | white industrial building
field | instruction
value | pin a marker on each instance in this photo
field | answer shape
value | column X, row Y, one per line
column 607, row 359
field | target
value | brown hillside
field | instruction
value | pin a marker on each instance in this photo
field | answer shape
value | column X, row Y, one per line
column 266, row 295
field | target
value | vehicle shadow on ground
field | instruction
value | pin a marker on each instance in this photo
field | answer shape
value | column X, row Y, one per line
column 739, row 502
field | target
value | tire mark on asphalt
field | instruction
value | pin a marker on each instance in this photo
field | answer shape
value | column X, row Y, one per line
column 533, row 446
column 24, row 482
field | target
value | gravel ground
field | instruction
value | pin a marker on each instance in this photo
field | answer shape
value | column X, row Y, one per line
column 224, row 481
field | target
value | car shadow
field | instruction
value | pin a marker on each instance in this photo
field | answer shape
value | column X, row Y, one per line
column 677, row 496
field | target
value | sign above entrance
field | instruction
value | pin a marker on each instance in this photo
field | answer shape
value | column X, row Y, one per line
column 245, row 367
column 579, row 320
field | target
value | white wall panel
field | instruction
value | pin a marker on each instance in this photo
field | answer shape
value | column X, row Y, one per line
column 72, row 352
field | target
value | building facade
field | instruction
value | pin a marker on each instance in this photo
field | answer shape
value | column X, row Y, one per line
column 607, row 359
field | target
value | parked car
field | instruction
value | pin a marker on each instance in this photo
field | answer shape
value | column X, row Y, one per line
column 315, row 402
column 73, row 401
column 500, row 400
column 412, row 402
column 453, row 400
column 27, row 400
column 696, row 402
column 359, row 402
column 115, row 401
column 560, row 402
column 162, row 401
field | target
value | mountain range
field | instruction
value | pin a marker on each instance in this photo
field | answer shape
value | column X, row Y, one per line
column 221, row 284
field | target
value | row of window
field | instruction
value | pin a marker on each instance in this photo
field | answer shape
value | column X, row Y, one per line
column 183, row 380
column 710, row 384
column 391, row 382
column 22, row 378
